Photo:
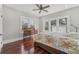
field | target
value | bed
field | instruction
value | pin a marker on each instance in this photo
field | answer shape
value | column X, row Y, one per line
column 67, row 42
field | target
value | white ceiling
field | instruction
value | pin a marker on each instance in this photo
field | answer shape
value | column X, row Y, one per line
column 28, row 8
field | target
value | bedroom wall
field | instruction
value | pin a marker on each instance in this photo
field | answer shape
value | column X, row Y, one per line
column 11, row 24
column 0, row 18
column 1, row 27
column 72, row 12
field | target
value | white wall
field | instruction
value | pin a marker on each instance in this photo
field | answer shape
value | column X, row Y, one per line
column 1, row 25
column 72, row 12
column 11, row 23
column 0, row 18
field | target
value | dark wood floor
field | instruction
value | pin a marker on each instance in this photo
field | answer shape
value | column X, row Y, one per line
column 25, row 46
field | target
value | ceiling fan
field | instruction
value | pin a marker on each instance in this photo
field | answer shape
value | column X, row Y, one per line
column 41, row 8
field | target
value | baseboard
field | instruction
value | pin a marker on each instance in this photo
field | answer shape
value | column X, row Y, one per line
column 12, row 40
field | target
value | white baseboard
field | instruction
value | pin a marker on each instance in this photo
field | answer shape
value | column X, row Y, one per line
column 12, row 40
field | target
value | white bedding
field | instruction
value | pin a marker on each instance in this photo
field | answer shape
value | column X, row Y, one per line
column 71, row 38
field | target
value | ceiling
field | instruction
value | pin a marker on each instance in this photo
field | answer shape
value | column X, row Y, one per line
column 28, row 8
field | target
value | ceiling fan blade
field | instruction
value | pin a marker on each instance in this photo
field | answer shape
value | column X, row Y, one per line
column 35, row 9
column 38, row 5
column 45, row 10
column 40, row 11
column 46, row 6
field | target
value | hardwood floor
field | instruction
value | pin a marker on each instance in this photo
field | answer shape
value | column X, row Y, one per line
column 12, row 48
column 49, row 49
column 39, row 50
column 25, row 46
column 28, row 46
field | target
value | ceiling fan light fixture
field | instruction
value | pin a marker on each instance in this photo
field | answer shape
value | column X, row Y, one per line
column 41, row 8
